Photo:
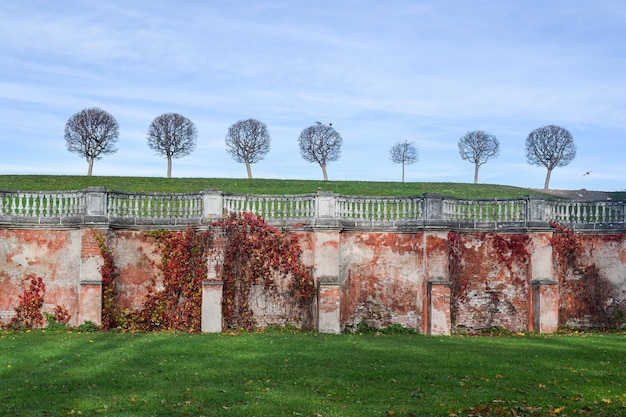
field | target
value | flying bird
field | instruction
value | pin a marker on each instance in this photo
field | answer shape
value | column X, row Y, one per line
column 586, row 173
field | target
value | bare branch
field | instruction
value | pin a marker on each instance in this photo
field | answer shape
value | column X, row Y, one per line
column 405, row 153
column 320, row 143
column 248, row 141
column 477, row 147
column 550, row 146
column 172, row 135
column 91, row 133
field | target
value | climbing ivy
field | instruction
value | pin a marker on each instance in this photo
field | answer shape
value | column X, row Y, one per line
column 585, row 294
column 254, row 253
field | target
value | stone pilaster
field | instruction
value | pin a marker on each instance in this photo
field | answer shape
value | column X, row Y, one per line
column 439, row 318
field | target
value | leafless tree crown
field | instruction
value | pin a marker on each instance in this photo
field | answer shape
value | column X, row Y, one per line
column 477, row 147
column 172, row 135
column 248, row 141
column 320, row 143
column 91, row 133
column 550, row 146
column 405, row 153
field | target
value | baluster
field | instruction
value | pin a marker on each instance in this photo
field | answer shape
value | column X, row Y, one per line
column 45, row 205
column 149, row 206
column 19, row 204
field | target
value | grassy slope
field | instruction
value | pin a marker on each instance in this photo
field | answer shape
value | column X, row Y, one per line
column 309, row 374
column 257, row 186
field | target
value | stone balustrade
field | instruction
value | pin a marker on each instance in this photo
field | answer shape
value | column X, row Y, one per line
column 97, row 205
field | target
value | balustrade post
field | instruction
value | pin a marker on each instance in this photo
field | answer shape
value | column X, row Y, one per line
column 538, row 212
column 433, row 210
column 325, row 209
column 212, row 205
column 96, row 204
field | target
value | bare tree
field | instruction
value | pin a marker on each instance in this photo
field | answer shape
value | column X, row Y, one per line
column 404, row 153
column 477, row 147
column 320, row 143
column 248, row 141
column 550, row 146
column 91, row 133
column 172, row 135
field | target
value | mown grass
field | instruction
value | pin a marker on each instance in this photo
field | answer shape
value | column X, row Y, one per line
column 257, row 186
column 310, row 374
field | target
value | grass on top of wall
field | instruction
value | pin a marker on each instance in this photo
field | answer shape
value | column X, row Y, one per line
column 258, row 186
column 310, row 374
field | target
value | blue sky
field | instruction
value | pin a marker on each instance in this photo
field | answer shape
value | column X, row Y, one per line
column 380, row 72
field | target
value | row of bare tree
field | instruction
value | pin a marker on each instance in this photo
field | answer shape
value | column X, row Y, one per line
column 92, row 133
column 548, row 146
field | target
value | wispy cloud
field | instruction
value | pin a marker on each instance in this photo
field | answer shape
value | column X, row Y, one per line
column 427, row 71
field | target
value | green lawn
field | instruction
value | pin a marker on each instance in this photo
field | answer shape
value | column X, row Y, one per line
column 310, row 374
column 257, row 186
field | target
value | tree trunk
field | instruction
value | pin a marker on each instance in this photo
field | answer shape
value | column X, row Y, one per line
column 547, row 184
column 90, row 170
column 476, row 167
column 403, row 172
column 249, row 170
column 169, row 167
column 324, row 171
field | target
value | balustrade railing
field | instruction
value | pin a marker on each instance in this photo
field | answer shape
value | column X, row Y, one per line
column 292, row 207
column 155, row 206
column 40, row 204
column 379, row 209
column 98, row 205
column 485, row 211
column 587, row 212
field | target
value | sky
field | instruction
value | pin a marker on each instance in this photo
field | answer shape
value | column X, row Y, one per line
column 380, row 71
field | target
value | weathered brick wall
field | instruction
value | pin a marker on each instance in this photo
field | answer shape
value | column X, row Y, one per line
column 585, row 295
column 381, row 277
column 137, row 259
column 490, row 291
column 378, row 278
column 53, row 255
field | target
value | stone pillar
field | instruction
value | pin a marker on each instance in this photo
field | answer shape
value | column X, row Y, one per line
column 439, row 321
column 433, row 210
column 326, row 267
column 545, row 306
column 96, row 205
column 90, row 302
column 538, row 211
column 545, row 291
column 212, row 306
column 90, row 294
column 212, row 205
column 328, row 303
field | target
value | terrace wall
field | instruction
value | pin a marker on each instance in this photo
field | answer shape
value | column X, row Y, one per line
column 424, row 262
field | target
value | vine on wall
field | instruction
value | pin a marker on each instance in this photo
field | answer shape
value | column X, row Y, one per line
column 178, row 305
column 460, row 281
column 28, row 313
column 108, row 271
column 511, row 251
column 253, row 254
column 585, row 293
